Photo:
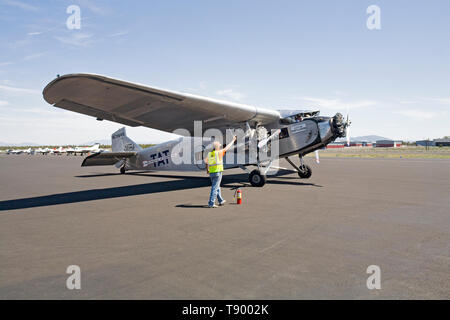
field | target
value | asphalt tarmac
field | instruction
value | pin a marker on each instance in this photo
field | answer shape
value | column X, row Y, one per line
column 148, row 236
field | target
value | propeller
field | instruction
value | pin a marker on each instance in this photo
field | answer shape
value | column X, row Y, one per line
column 347, row 127
column 264, row 142
column 249, row 132
column 317, row 157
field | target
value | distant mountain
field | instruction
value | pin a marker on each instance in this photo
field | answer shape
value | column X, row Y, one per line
column 101, row 141
column 370, row 138
column 22, row 144
column 106, row 142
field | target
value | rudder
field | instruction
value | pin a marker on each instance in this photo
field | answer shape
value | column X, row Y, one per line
column 120, row 142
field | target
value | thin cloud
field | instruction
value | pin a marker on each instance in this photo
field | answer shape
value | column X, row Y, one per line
column 21, row 5
column 408, row 102
column 417, row 114
column 422, row 100
column 93, row 7
column 337, row 104
column 18, row 43
column 34, row 33
column 445, row 101
column 231, row 94
column 3, row 103
column 339, row 93
column 34, row 56
column 9, row 89
column 202, row 85
column 2, row 64
column 77, row 39
column 119, row 34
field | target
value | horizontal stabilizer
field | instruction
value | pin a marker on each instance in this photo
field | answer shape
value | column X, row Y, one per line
column 106, row 158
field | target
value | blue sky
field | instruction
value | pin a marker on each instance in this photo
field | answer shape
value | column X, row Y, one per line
column 296, row 54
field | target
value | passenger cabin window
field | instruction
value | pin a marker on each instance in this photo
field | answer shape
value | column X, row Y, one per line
column 284, row 133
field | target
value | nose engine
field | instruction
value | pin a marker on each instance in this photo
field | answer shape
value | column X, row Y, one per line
column 339, row 126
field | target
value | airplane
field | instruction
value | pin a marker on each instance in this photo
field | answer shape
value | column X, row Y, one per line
column 83, row 150
column 297, row 132
column 16, row 151
column 58, row 151
column 20, row 151
column 70, row 150
column 43, row 151
column 29, row 151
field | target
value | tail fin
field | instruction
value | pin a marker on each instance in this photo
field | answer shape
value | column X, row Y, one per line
column 120, row 142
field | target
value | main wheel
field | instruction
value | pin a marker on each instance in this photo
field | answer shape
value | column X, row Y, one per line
column 257, row 179
column 305, row 172
column 122, row 170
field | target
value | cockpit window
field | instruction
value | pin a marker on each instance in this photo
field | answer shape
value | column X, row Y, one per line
column 297, row 117
column 292, row 119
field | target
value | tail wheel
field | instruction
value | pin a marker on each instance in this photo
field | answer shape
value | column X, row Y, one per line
column 305, row 172
column 122, row 170
column 257, row 179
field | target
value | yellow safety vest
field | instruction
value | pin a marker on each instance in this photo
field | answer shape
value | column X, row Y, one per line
column 215, row 162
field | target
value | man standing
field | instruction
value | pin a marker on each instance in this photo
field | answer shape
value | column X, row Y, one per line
column 214, row 166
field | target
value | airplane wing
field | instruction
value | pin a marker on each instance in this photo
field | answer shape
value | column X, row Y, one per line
column 106, row 158
column 138, row 105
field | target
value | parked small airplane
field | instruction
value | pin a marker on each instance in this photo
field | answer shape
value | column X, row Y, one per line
column 44, row 151
column 58, row 151
column 70, row 150
column 83, row 150
column 299, row 131
column 20, row 151
column 16, row 151
column 29, row 151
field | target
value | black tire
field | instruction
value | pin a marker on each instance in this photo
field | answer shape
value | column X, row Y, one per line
column 305, row 172
column 257, row 179
column 122, row 170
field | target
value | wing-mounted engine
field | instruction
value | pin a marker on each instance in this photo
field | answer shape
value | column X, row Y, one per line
column 260, row 136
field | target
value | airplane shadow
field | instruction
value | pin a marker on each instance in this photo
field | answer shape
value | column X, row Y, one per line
column 181, row 182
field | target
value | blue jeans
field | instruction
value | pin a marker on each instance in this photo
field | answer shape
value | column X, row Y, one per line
column 216, row 178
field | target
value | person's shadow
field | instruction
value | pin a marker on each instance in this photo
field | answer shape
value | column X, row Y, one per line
column 192, row 206
column 236, row 181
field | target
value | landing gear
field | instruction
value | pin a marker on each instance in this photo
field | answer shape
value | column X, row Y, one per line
column 304, row 171
column 257, row 179
column 122, row 170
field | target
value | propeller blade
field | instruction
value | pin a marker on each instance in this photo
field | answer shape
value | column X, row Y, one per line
column 263, row 142
column 347, row 125
column 317, row 157
column 348, row 136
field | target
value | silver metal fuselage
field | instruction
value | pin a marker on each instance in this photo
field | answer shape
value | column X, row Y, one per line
column 295, row 138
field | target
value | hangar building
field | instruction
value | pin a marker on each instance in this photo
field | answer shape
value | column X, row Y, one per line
column 442, row 142
column 425, row 143
column 388, row 144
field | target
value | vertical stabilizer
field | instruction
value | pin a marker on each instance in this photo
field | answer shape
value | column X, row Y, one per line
column 120, row 142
